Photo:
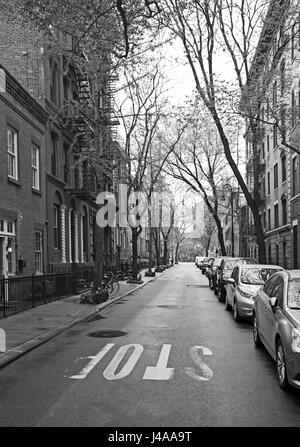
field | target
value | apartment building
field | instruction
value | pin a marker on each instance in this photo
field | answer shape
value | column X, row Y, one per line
column 70, row 189
column 273, row 167
column 22, row 180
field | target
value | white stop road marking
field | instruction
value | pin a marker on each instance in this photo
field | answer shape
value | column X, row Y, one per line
column 94, row 360
column 158, row 372
column 110, row 372
column 206, row 371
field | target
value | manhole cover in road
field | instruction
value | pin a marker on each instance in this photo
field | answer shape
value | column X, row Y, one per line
column 197, row 286
column 107, row 334
column 171, row 306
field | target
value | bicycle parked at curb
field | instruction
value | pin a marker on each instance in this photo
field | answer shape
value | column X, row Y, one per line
column 108, row 290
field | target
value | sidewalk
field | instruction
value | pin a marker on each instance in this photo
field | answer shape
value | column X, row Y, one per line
column 28, row 330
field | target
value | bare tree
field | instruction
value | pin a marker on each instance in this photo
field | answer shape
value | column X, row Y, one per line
column 200, row 164
column 209, row 231
column 205, row 29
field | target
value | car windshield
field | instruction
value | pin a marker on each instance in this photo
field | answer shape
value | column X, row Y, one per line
column 256, row 276
column 229, row 265
column 294, row 294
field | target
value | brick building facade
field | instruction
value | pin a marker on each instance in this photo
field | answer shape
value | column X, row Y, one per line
column 275, row 74
column 70, row 186
column 22, row 180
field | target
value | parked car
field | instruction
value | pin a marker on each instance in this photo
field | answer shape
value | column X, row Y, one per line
column 205, row 264
column 276, row 324
column 241, row 288
column 198, row 261
column 209, row 267
column 224, row 273
column 211, row 271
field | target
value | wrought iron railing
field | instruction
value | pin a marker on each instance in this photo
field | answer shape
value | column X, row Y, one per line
column 18, row 294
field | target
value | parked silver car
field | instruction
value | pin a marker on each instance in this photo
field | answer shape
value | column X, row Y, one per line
column 276, row 324
column 241, row 288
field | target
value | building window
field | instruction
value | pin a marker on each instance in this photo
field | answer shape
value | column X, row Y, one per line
column 283, row 168
column 56, row 226
column 54, row 154
column 38, row 255
column 275, row 140
column 269, row 219
column 54, row 82
column 66, row 163
column 270, row 254
column 284, row 211
column 10, row 227
column 66, row 88
column 276, row 176
column 268, row 183
column 276, row 216
column 268, row 143
column 35, row 165
column 12, row 150
column 294, row 176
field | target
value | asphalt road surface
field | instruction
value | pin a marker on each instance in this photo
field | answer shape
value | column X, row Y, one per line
column 168, row 355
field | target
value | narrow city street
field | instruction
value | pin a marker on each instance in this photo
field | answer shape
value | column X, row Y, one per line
column 168, row 355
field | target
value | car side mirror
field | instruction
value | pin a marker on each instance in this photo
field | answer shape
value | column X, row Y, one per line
column 231, row 281
column 273, row 302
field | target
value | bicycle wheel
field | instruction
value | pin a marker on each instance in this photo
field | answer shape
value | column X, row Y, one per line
column 114, row 288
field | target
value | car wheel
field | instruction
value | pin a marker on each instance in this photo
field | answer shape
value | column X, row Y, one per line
column 220, row 295
column 227, row 305
column 216, row 289
column 256, row 337
column 281, row 367
column 211, row 283
column 236, row 315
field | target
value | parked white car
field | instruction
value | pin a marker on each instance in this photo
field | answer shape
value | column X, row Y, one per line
column 276, row 324
column 241, row 288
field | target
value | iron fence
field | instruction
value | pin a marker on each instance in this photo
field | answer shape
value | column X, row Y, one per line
column 18, row 294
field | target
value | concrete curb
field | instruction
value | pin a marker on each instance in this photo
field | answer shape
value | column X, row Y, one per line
column 17, row 352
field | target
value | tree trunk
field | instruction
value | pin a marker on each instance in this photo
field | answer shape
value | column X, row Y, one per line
column 176, row 252
column 166, row 261
column 135, row 236
column 150, row 250
column 220, row 236
column 157, row 247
